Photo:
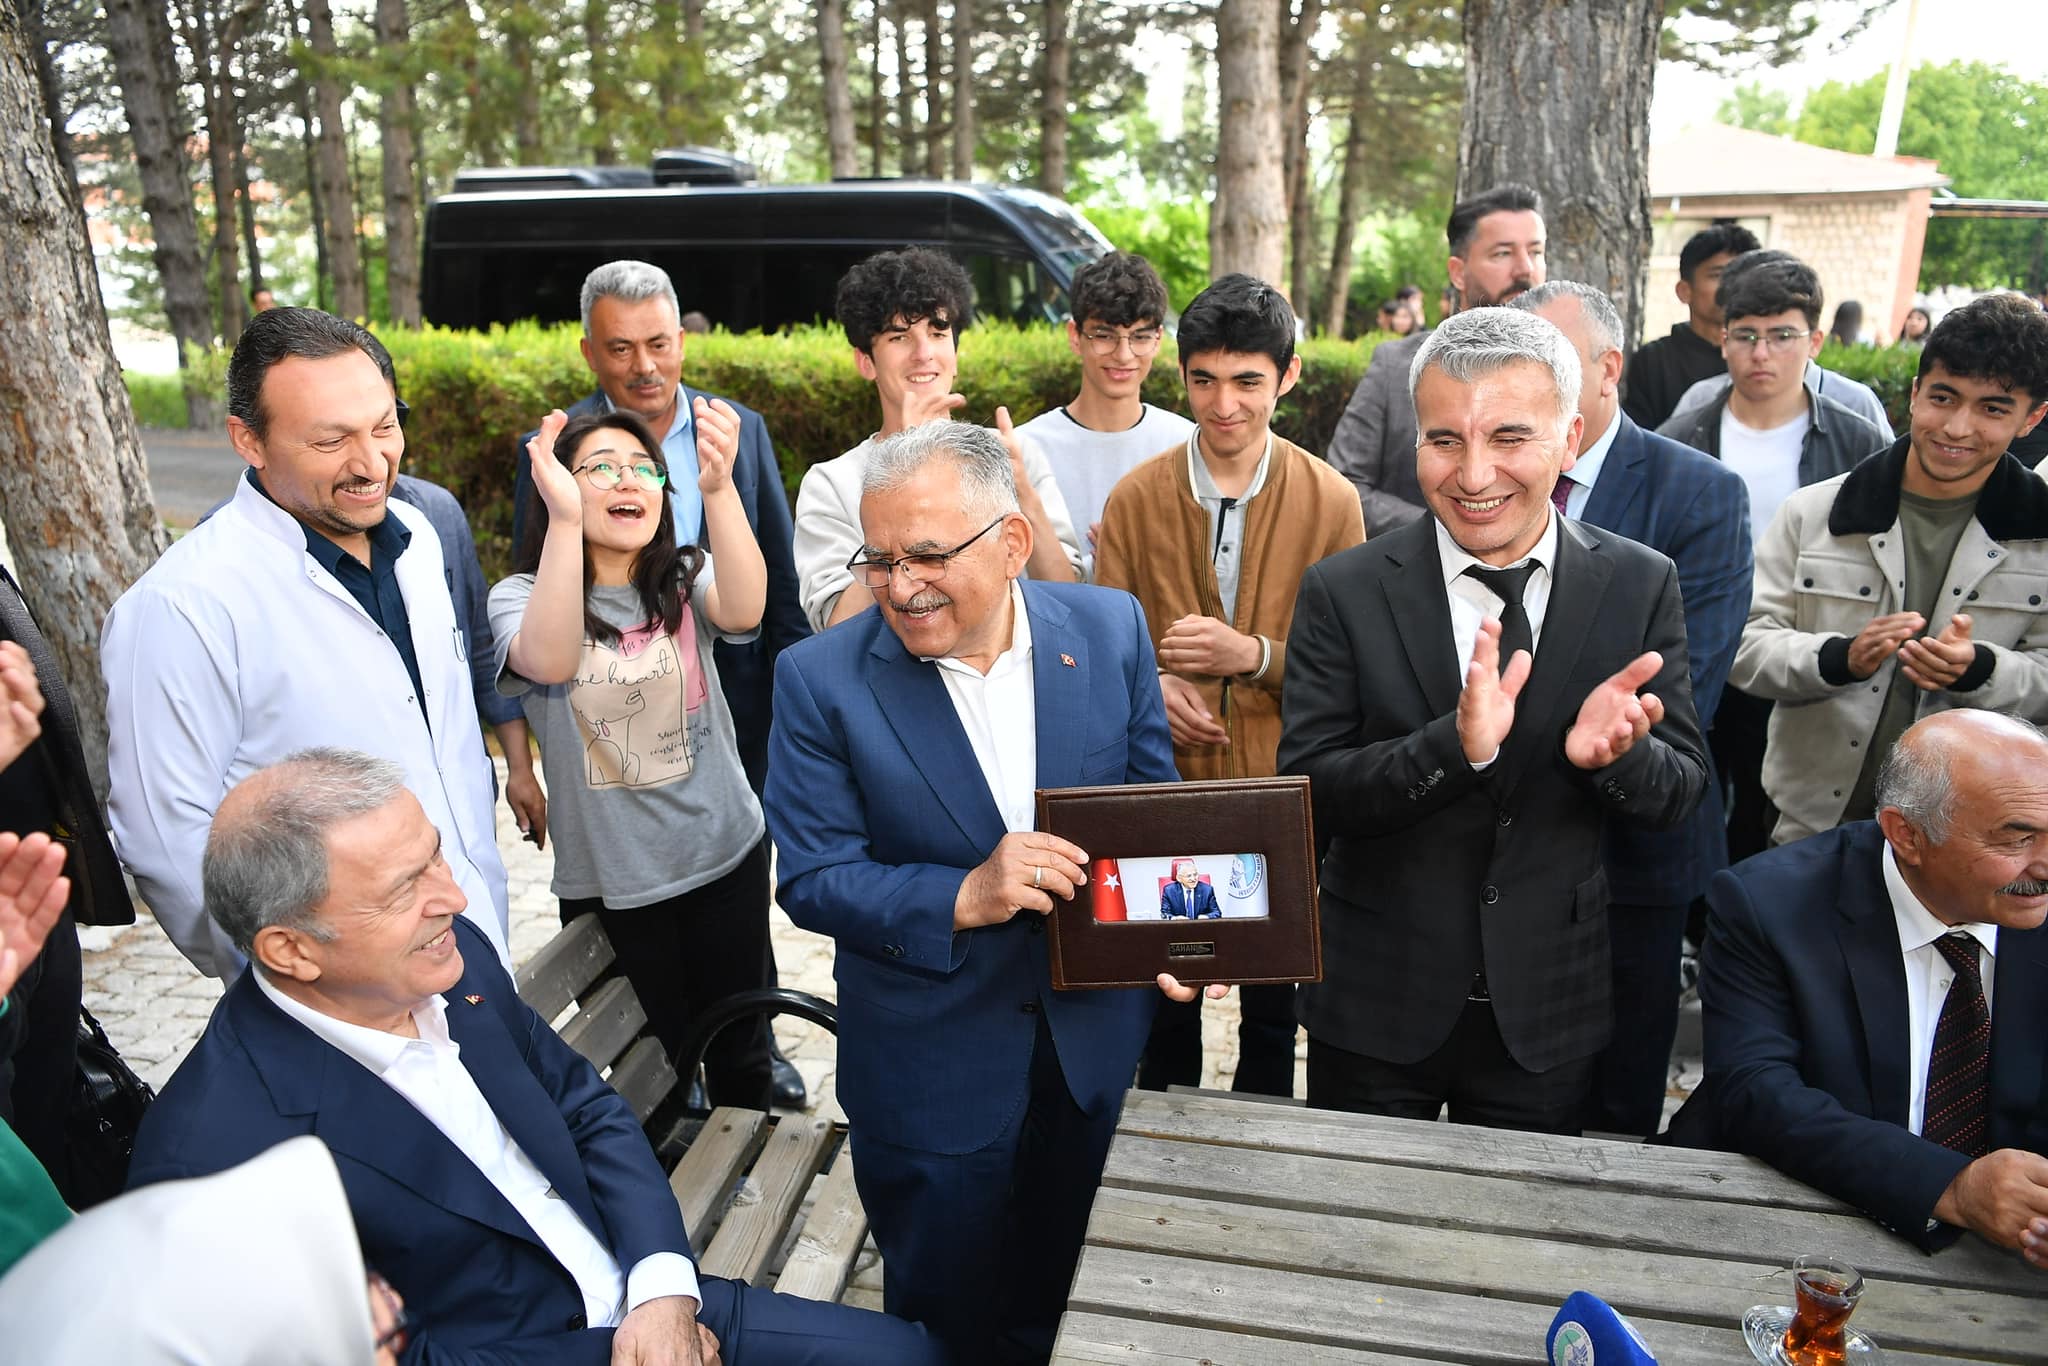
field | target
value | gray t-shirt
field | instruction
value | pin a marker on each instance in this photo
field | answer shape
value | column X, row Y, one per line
column 646, row 795
column 1088, row 463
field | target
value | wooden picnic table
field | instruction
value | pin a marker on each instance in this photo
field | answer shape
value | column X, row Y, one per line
column 1244, row 1233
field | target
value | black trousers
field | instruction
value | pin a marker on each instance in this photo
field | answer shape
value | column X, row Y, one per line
column 1630, row 1076
column 1265, row 1043
column 1737, row 739
column 689, row 952
column 39, row 1052
column 1472, row 1073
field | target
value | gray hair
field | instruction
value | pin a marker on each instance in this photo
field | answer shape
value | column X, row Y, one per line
column 1915, row 778
column 976, row 452
column 1471, row 345
column 629, row 282
column 266, row 861
column 1603, row 320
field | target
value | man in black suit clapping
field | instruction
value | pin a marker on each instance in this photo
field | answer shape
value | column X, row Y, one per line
column 1464, row 903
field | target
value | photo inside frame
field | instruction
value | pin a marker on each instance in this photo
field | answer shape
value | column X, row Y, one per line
column 1190, row 886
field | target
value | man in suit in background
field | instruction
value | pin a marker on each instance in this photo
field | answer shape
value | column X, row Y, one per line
column 1464, row 902
column 499, row 1184
column 1496, row 239
column 908, row 742
column 634, row 343
column 1187, row 896
column 1876, row 996
column 1694, row 509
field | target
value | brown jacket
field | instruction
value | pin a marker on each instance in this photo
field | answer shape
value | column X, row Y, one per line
column 1155, row 545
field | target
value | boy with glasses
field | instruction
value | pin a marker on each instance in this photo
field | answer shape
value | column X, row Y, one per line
column 1119, row 308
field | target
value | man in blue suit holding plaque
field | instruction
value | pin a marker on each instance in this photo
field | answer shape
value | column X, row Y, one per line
column 1187, row 896
column 907, row 746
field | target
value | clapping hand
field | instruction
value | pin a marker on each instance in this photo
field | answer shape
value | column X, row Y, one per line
column 718, row 443
column 1613, row 717
column 1486, row 708
column 557, row 486
column 21, row 702
column 1936, row 662
column 33, row 892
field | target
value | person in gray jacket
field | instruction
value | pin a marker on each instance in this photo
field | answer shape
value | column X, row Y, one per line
column 1914, row 583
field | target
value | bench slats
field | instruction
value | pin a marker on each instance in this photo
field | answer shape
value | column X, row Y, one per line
column 713, row 1163
column 769, row 1198
column 605, row 1023
column 822, row 1262
column 644, row 1077
column 565, row 967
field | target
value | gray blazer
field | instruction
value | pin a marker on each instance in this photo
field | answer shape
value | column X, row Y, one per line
column 1374, row 444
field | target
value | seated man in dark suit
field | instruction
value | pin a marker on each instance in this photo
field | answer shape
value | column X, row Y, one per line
column 500, row 1185
column 1876, row 996
column 1187, row 896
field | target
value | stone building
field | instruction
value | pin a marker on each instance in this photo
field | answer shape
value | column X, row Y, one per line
column 1857, row 220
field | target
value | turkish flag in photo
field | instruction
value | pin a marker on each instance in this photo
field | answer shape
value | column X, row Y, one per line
column 1105, row 890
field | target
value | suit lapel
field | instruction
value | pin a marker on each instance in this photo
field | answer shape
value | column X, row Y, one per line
column 2019, row 1050
column 1059, row 689
column 1869, row 941
column 1422, row 620
column 919, row 710
column 1578, row 586
column 1613, row 498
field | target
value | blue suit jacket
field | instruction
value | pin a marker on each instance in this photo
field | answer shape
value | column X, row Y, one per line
column 1694, row 509
column 474, row 1276
column 879, row 811
column 1804, row 990
column 746, row 670
column 1173, row 901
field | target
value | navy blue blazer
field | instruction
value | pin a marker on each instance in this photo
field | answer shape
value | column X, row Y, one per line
column 475, row 1277
column 879, row 811
column 1803, row 986
column 1694, row 509
column 1173, row 901
column 746, row 670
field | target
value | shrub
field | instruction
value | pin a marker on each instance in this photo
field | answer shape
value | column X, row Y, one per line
column 1887, row 369
column 158, row 400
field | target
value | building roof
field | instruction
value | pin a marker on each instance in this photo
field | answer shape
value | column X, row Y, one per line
column 1713, row 160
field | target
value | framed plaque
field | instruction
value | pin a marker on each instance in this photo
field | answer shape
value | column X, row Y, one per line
column 1210, row 881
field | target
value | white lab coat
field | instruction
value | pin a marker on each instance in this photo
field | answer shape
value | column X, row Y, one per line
column 235, row 650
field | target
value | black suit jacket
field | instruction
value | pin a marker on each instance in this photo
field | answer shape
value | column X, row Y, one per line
column 1803, row 986
column 1435, row 871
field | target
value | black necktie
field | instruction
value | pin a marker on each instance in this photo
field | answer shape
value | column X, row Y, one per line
column 1958, row 1070
column 1507, row 585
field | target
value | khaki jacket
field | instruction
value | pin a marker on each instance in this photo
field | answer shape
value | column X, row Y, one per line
column 1833, row 559
column 1155, row 544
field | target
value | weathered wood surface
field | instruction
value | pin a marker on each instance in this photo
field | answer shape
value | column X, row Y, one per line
column 564, row 966
column 643, row 1077
column 768, row 1199
column 1230, row 1231
column 606, row 1023
column 703, row 1181
column 829, row 1244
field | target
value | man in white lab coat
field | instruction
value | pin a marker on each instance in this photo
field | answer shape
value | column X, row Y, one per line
column 311, row 610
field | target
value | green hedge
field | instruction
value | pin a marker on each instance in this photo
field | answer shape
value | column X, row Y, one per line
column 158, row 400
column 1889, row 370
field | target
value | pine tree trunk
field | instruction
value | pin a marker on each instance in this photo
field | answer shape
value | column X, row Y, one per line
column 1350, row 198
column 693, row 24
column 877, row 110
column 934, row 71
column 52, row 90
column 909, row 148
column 338, row 212
column 1052, row 109
column 1301, row 207
column 604, row 95
column 838, row 96
column 521, row 26
column 139, row 39
column 1579, row 132
column 963, row 89
column 394, row 133
column 74, row 490
column 669, row 83
column 247, row 208
column 214, row 52
column 1250, row 179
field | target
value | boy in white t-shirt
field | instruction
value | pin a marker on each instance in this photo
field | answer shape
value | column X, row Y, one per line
column 1119, row 308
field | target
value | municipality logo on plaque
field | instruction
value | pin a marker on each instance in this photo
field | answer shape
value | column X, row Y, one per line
column 1247, row 875
column 1573, row 1346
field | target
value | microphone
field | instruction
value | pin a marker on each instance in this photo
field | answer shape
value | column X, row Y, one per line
column 1587, row 1332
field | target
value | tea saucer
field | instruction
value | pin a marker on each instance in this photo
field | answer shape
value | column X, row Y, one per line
column 1763, row 1328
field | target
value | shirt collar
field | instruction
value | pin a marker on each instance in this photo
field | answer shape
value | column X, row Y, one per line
column 373, row 1048
column 1018, row 656
column 1918, row 926
column 681, row 422
column 1456, row 559
column 1205, row 487
column 388, row 539
column 1585, row 471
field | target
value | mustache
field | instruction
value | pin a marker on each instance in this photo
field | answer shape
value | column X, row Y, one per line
column 924, row 600
column 2024, row 887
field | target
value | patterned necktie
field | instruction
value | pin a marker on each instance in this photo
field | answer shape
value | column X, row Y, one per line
column 1958, row 1071
column 1561, row 494
column 1507, row 585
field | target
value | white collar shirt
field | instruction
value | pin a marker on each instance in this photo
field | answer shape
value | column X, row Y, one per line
column 428, row 1073
column 1472, row 602
column 999, row 712
column 1928, row 977
column 1226, row 518
column 1585, row 471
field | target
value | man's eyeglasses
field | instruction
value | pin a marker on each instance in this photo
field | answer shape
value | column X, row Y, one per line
column 1776, row 339
column 929, row 568
column 606, row 474
column 1104, row 342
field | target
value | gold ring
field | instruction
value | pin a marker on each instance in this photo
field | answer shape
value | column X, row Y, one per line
column 1037, row 872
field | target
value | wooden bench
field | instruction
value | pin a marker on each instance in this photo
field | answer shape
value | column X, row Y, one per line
column 767, row 1199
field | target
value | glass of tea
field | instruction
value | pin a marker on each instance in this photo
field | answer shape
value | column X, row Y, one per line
column 1826, row 1293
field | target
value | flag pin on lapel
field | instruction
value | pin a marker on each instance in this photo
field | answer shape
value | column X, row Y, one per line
column 1068, row 660
column 474, row 1000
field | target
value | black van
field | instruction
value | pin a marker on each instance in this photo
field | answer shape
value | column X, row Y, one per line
column 513, row 244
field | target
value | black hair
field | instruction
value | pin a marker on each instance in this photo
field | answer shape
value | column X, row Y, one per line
column 277, row 335
column 1409, row 291
column 1723, row 235
column 663, row 572
column 1466, row 213
column 1848, row 323
column 2000, row 337
column 1759, row 284
column 902, row 286
column 1120, row 289
column 1238, row 313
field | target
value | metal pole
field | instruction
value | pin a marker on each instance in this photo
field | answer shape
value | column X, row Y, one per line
column 1895, row 88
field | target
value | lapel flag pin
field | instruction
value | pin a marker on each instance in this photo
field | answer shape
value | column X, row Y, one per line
column 1068, row 660
column 474, row 1000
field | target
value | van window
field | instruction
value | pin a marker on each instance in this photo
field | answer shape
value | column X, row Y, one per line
column 1014, row 289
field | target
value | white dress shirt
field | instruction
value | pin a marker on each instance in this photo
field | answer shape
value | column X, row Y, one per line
column 1585, row 471
column 1928, row 977
column 1472, row 602
column 429, row 1074
column 1226, row 524
column 999, row 712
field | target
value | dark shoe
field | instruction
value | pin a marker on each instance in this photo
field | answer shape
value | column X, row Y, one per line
column 788, row 1091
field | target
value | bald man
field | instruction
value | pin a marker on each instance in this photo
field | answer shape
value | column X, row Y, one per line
column 1876, row 997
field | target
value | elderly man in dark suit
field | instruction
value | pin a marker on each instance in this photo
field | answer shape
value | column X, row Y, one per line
column 1693, row 508
column 1464, row 901
column 497, row 1182
column 1876, row 996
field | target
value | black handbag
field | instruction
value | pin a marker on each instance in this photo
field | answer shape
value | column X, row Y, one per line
column 107, row 1102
